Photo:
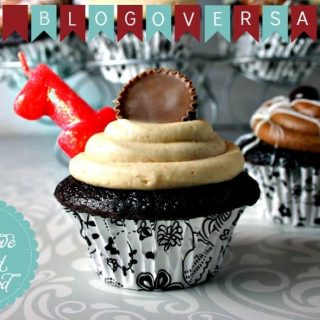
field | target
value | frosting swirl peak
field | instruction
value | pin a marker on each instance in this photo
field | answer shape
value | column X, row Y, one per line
column 149, row 156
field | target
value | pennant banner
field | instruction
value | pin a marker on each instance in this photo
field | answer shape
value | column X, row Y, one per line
column 231, row 22
column 130, row 20
column 159, row 20
column 43, row 19
column 275, row 20
column 101, row 19
column 246, row 19
column 304, row 20
column 187, row 20
column 15, row 19
column 72, row 19
column 217, row 20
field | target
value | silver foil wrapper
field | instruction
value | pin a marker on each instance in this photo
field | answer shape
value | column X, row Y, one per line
column 148, row 54
column 287, row 70
column 156, row 255
column 288, row 196
column 64, row 57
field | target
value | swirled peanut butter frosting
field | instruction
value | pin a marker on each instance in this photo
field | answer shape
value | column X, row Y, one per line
column 149, row 156
column 293, row 125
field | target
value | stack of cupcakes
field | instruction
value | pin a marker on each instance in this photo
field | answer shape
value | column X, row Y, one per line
column 283, row 155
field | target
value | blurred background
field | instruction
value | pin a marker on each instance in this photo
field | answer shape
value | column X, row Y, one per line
column 232, row 80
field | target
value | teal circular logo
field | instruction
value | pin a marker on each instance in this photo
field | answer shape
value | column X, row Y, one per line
column 18, row 254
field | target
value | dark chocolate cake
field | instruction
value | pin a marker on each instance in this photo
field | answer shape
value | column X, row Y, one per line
column 265, row 154
column 169, row 204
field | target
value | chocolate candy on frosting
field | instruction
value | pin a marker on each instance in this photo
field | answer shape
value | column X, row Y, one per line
column 304, row 92
column 159, row 96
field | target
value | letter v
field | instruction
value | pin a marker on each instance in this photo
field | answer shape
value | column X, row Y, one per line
column 188, row 22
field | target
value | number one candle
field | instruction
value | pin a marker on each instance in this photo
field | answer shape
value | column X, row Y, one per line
column 46, row 94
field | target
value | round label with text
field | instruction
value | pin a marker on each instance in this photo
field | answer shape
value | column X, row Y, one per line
column 18, row 254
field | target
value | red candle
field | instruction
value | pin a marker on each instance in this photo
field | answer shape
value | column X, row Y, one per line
column 46, row 94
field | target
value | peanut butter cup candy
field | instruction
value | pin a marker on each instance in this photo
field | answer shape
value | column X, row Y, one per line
column 156, row 196
column 283, row 155
column 158, row 95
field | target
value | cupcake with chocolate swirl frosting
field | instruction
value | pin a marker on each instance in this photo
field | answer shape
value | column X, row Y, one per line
column 283, row 155
column 156, row 196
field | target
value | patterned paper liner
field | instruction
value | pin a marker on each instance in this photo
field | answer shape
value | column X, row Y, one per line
column 157, row 255
column 288, row 71
column 130, row 47
column 289, row 197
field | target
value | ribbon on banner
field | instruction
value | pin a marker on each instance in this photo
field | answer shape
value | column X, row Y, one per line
column 304, row 20
column 73, row 19
column 275, row 20
column 158, row 20
column 44, row 19
column 217, row 20
column 187, row 20
column 15, row 19
column 101, row 19
column 130, row 20
column 246, row 19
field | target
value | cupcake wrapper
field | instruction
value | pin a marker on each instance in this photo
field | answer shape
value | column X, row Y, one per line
column 288, row 71
column 290, row 197
column 156, row 255
column 130, row 47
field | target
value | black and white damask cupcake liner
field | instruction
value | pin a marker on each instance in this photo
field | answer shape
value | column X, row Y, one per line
column 288, row 196
column 149, row 52
column 157, row 255
column 281, row 71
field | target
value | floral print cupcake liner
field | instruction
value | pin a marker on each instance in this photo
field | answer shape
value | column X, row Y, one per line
column 288, row 196
column 156, row 255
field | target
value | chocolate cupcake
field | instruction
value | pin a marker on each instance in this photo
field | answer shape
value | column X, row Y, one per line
column 283, row 155
column 157, row 201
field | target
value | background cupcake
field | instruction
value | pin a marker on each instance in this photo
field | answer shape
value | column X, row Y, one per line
column 283, row 155
column 157, row 198
column 280, row 66
column 147, row 53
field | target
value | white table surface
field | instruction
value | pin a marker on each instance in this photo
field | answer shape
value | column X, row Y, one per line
column 271, row 272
